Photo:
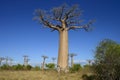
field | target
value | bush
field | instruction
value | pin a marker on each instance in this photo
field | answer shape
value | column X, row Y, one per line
column 5, row 67
column 50, row 66
column 86, row 77
column 28, row 67
column 18, row 67
column 75, row 68
column 107, row 61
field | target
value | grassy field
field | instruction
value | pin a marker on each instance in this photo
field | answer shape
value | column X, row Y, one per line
column 39, row 75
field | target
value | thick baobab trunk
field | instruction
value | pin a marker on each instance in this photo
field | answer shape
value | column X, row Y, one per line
column 63, row 50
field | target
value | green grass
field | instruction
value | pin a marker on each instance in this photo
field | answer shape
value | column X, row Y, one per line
column 40, row 75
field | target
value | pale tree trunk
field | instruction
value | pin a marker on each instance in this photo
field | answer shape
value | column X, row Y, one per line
column 72, row 63
column 63, row 50
column 43, row 64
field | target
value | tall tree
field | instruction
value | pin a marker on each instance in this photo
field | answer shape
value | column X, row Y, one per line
column 62, row 19
column 72, row 55
column 43, row 64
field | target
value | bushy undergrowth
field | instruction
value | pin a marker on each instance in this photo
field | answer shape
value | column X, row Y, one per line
column 50, row 66
column 16, row 67
column 75, row 68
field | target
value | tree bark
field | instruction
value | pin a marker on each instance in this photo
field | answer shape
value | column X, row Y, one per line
column 63, row 50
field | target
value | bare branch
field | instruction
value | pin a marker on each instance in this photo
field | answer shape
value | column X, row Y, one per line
column 70, row 12
column 85, row 27
column 58, row 13
column 41, row 16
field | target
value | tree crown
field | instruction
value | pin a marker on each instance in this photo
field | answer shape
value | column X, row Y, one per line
column 62, row 17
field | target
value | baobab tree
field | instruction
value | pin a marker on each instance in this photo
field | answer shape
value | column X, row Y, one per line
column 89, row 62
column 43, row 64
column 6, row 60
column 26, row 60
column 11, row 61
column 53, row 58
column 72, row 55
column 62, row 19
column 1, row 59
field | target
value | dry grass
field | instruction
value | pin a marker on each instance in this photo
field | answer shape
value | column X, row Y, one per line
column 39, row 75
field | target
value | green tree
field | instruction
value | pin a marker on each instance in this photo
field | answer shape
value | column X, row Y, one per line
column 107, row 60
column 62, row 19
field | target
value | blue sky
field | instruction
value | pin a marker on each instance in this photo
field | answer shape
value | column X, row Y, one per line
column 20, row 35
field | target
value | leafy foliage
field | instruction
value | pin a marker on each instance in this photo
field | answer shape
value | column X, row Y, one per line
column 50, row 66
column 5, row 67
column 16, row 67
column 86, row 77
column 28, row 67
column 75, row 68
column 107, row 60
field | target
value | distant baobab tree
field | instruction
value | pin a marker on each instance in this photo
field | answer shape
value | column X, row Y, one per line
column 6, row 60
column 72, row 61
column 43, row 64
column 62, row 19
column 53, row 58
column 11, row 61
column 1, row 59
column 26, row 60
column 89, row 62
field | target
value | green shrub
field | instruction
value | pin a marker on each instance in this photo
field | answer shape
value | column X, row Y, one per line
column 90, row 77
column 107, row 60
column 18, row 67
column 28, row 67
column 50, row 66
column 75, row 68
column 5, row 67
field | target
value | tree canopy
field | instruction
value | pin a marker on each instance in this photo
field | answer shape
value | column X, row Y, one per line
column 64, row 14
